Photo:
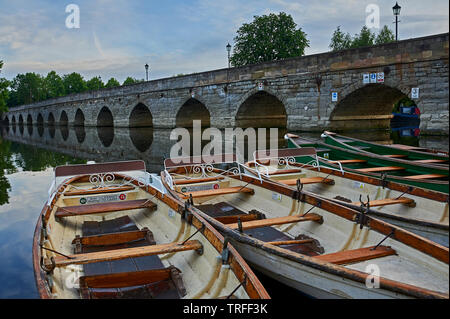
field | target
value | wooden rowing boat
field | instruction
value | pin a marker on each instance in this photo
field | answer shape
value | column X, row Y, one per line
column 397, row 170
column 111, row 231
column 307, row 242
column 415, row 155
column 421, row 211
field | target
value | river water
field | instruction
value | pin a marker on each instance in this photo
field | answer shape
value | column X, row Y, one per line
column 28, row 155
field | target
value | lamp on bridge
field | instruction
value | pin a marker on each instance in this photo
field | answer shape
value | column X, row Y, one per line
column 396, row 9
column 228, row 50
column 146, row 71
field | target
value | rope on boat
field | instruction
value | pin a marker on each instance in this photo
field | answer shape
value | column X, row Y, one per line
column 239, row 286
column 387, row 236
column 56, row 252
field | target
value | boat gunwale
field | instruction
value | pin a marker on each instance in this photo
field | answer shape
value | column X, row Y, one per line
column 252, row 285
column 345, row 212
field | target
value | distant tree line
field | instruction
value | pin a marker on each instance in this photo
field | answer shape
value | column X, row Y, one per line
column 32, row 87
column 342, row 41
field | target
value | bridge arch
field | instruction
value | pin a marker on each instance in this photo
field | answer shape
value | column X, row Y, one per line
column 51, row 119
column 370, row 103
column 140, row 116
column 79, row 118
column 40, row 124
column 63, row 119
column 192, row 110
column 105, row 117
column 261, row 109
column 13, row 121
column 29, row 120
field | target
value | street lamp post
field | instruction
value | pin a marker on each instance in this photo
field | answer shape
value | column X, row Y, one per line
column 146, row 71
column 228, row 50
column 396, row 9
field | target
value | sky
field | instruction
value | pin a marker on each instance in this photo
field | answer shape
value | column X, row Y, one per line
column 116, row 38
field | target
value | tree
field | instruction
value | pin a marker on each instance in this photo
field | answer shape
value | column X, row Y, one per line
column 27, row 88
column 74, row 83
column 340, row 41
column 364, row 38
column 95, row 83
column 129, row 80
column 112, row 82
column 4, row 92
column 385, row 36
column 268, row 38
column 54, row 85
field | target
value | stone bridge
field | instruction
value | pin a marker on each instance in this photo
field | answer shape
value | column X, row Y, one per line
column 295, row 94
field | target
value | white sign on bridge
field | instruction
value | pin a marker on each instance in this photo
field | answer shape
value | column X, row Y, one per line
column 414, row 93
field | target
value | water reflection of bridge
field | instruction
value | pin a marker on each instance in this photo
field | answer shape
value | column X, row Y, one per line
column 100, row 144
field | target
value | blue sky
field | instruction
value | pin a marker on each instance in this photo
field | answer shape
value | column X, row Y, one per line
column 117, row 37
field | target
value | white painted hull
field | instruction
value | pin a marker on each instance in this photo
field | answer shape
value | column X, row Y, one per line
column 312, row 282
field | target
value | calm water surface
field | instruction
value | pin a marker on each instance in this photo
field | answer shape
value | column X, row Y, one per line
column 29, row 154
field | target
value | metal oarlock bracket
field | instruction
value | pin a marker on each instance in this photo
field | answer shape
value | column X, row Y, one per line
column 361, row 218
column 225, row 251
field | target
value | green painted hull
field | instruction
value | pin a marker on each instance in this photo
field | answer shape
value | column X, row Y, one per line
column 333, row 153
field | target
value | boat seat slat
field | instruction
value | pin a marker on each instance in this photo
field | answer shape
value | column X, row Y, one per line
column 395, row 155
column 285, row 171
column 219, row 191
column 426, row 176
column 380, row 169
column 278, row 221
column 390, row 201
column 356, row 255
column 197, row 180
column 115, row 238
column 234, row 218
column 125, row 279
column 104, row 207
column 100, row 190
column 308, row 180
column 430, row 161
column 118, row 254
column 349, row 161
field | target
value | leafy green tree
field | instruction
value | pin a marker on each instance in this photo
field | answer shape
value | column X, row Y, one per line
column 112, row 82
column 74, row 83
column 4, row 92
column 27, row 88
column 364, row 38
column 268, row 38
column 54, row 85
column 129, row 80
column 385, row 36
column 340, row 40
column 95, row 83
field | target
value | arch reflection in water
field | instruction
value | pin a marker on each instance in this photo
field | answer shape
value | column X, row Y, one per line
column 80, row 133
column 142, row 137
column 51, row 131
column 64, row 132
column 30, row 129
column 106, row 135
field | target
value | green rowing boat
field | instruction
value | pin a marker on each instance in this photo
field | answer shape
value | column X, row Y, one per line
column 415, row 155
column 426, row 176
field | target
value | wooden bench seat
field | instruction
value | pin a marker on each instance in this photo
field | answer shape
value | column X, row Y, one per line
column 395, row 155
column 285, row 171
column 356, row 255
column 308, row 180
column 127, row 279
column 118, row 254
column 99, row 190
column 234, row 218
column 104, row 207
column 219, row 191
column 426, row 176
column 116, row 238
column 430, row 161
column 278, row 221
column 196, row 180
column 349, row 161
column 390, row 201
column 380, row 169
